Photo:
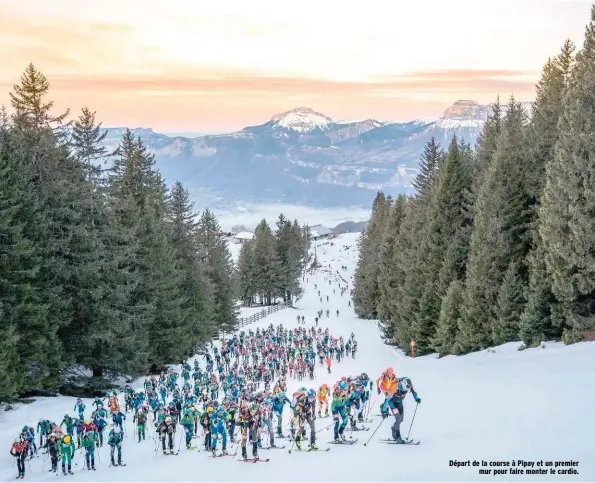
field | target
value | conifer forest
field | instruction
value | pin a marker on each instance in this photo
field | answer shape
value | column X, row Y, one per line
column 498, row 242
column 104, row 271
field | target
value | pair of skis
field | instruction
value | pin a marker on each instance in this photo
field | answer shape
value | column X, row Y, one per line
column 413, row 442
column 347, row 442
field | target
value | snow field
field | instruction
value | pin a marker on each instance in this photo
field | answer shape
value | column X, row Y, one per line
column 534, row 405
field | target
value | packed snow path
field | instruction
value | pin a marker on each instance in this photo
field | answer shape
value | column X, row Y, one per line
column 495, row 406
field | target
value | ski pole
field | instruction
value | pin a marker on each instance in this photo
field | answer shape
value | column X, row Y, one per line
column 182, row 434
column 413, row 419
column 372, row 435
column 326, row 427
column 370, row 406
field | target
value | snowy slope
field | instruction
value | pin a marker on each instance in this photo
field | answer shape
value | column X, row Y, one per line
column 495, row 406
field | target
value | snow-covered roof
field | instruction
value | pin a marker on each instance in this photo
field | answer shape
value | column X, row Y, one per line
column 244, row 235
column 319, row 230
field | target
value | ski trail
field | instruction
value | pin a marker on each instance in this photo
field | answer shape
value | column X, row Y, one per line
column 496, row 406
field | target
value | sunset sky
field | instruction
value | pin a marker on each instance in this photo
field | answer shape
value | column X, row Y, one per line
column 219, row 65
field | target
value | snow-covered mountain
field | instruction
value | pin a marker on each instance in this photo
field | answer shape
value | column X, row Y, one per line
column 303, row 156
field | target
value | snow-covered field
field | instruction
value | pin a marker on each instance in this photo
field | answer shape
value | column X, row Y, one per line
column 535, row 405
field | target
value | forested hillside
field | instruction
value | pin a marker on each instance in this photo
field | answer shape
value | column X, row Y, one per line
column 103, row 270
column 497, row 243
column 272, row 263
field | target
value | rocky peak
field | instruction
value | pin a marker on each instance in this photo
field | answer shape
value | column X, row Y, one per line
column 302, row 119
column 466, row 110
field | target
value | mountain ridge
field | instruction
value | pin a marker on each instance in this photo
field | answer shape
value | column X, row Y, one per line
column 302, row 156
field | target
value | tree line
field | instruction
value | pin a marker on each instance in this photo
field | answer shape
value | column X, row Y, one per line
column 271, row 265
column 498, row 242
column 102, row 268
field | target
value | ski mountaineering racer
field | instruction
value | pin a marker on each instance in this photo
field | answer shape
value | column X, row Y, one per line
column 394, row 405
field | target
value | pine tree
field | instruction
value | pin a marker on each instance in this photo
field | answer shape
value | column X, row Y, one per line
column 268, row 269
column 444, row 341
column 25, row 331
column 537, row 323
column 40, row 129
column 539, row 320
column 389, row 274
column 212, row 247
column 509, row 305
column 367, row 294
column 429, row 165
column 91, row 335
column 246, row 273
column 290, row 255
column 447, row 218
column 501, row 232
column 566, row 216
column 194, row 285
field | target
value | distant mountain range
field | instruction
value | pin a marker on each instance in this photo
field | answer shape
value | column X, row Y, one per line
column 304, row 157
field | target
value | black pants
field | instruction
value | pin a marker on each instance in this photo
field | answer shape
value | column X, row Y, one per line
column 170, row 441
column 396, row 427
column 21, row 462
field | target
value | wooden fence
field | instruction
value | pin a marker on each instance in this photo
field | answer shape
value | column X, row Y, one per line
column 265, row 312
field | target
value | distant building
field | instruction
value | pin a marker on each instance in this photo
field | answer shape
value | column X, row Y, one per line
column 319, row 232
column 242, row 236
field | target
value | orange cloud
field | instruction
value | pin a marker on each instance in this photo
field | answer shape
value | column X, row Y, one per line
column 202, row 82
column 106, row 67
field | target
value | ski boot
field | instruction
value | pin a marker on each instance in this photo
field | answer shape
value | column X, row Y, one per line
column 113, row 463
column 120, row 462
column 337, row 438
column 63, row 469
column 313, row 446
column 343, row 438
column 224, row 451
column 244, row 453
column 397, row 437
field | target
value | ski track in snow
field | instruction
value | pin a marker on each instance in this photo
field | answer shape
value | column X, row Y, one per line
column 493, row 406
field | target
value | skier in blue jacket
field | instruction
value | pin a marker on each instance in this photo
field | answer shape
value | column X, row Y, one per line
column 394, row 405
column 278, row 404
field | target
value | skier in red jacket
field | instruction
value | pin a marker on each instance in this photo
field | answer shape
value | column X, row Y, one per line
column 19, row 450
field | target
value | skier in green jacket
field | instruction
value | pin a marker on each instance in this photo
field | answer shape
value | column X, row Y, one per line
column 115, row 441
column 141, row 423
column 66, row 448
column 89, row 440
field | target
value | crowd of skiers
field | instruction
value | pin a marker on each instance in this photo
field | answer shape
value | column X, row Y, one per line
column 237, row 396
